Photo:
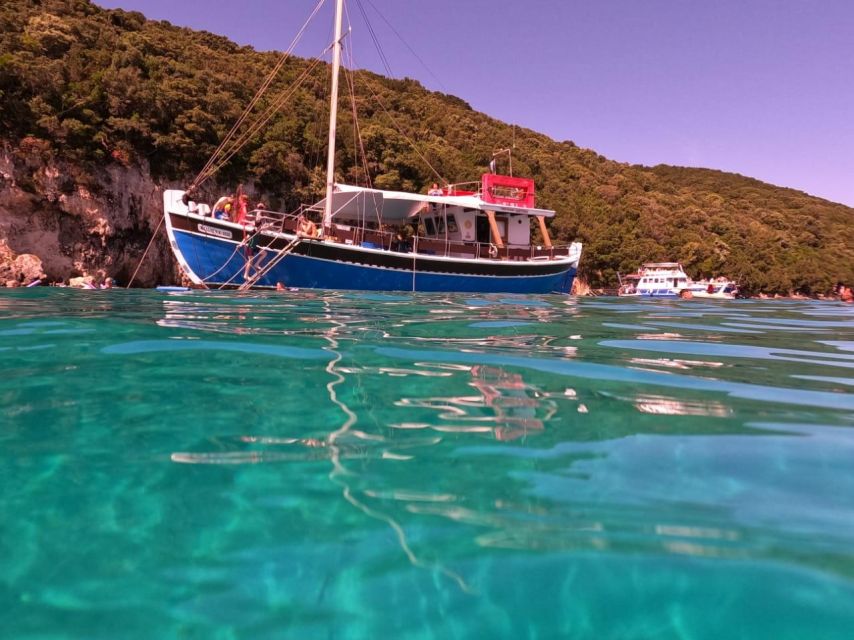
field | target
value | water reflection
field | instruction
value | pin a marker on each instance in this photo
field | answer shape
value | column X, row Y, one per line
column 674, row 363
column 504, row 406
column 514, row 402
column 338, row 456
column 670, row 406
column 532, row 426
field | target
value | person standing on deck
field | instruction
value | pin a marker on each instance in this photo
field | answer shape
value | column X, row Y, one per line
column 242, row 208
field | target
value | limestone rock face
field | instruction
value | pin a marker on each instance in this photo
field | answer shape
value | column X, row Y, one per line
column 28, row 267
column 61, row 221
column 20, row 269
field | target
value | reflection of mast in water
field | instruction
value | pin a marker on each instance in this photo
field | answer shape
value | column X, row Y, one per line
column 343, row 443
column 339, row 472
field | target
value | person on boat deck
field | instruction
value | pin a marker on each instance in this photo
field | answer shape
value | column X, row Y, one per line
column 306, row 228
column 255, row 217
column 222, row 209
column 189, row 200
column 400, row 243
column 434, row 190
column 254, row 254
column 242, row 208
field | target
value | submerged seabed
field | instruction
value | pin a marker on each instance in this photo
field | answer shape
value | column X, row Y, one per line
column 346, row 465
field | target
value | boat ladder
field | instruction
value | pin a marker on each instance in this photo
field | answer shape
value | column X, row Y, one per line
column 253, row 280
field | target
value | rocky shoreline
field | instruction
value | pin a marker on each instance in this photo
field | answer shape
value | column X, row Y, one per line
column 57, row 224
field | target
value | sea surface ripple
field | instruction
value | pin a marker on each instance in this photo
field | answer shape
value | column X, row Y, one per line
column 361, row 465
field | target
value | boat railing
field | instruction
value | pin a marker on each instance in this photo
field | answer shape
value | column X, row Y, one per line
column 485, row 250
column 383, row 239
column 462, row 189
column 273, row 221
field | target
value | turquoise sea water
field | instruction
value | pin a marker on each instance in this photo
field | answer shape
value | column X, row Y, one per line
column 345, row 465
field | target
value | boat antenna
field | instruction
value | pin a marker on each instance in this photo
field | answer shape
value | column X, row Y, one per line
column 501, row 152
column 333, row 115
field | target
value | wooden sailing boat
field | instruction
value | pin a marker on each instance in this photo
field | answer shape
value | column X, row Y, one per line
column 475, row 239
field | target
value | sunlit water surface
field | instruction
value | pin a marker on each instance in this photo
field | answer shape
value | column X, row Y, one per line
column 346, row 465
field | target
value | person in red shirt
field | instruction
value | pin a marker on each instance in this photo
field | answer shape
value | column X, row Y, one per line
column 242, row 208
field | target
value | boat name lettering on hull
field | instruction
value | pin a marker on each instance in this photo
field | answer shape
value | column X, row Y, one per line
column 213, row 231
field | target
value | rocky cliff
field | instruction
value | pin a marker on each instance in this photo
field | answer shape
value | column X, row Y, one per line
column 54, row 226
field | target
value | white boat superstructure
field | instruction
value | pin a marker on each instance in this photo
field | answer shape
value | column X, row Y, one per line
column 656, row 279
column 717, row 288
column 669, row 280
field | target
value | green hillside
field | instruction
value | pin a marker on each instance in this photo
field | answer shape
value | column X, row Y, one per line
column 93, row 87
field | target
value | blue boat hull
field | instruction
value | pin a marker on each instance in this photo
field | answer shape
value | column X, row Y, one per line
column 219, row 262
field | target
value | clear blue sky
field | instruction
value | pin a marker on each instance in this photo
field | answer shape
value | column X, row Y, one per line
column 764, row 88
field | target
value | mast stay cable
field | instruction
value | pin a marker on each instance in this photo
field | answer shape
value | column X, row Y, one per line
column 209, row 169
column 384, row 60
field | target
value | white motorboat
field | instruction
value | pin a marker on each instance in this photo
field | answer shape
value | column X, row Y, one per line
column 669, row 280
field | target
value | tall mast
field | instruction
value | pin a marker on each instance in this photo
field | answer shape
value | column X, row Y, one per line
column 333, row 115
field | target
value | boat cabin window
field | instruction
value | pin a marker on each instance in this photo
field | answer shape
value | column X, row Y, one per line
column 435, row 226
column 482, row 229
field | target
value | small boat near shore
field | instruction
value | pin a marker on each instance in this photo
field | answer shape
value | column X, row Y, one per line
column 721, row 288
column 669, row 280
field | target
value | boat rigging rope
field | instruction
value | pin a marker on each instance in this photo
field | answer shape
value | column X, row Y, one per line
column 403, row 40
column 208, row 170
column 403, row 133
column 359, row 142
column 246, row 136
column 379, row 49
column 375, row 40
